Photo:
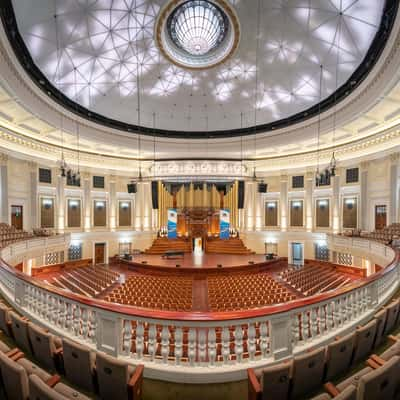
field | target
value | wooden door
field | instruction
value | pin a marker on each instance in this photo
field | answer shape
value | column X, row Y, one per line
column 380, row 217
column 17, row 220
column 99, row 253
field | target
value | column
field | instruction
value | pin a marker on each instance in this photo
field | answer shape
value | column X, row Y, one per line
column 146, row 206
column 363, row 224
column 4, row 188
column 87, row 201
column 34, row 194
column 112, row 214
column 309, row 178
column 283, row 203
column 250, row 192
column 394, row 188
column 336, row 202
column 60, row 204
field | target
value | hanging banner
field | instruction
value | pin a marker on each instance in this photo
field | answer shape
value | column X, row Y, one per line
column 172, row 223
column 224, row 224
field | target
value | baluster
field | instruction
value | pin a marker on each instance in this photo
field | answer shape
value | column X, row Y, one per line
column 330, row 318
column 43, row 310
column 346, row 308
column 152, row 341
column 225, row 344
column 178, row 345
column 56, row 310
column 239, row 343
column 49, row 314
column 295, row 329
column 314, row 321
column 337, row 313
column 76, row 320
column 62, row 316
column 127, row 342
column 304, row 326
column 85, row 323
column 323, row 319
column 68, row 319
column 202, row 345
column 264, row 339
column 192, row 347
column 165, row 343
column 139, row 340
column 251, row 341
column 212, row 346
column 29, row 297
column 34, row 300
column 93, row 327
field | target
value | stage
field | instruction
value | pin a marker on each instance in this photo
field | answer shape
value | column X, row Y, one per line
column 198, row 263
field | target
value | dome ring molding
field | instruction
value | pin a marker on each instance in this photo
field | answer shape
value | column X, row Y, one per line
column 165, row 45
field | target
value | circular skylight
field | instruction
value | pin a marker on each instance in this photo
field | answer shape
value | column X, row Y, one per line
column 197, row 26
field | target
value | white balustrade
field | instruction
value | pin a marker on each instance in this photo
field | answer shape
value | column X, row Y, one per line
column 212, row 343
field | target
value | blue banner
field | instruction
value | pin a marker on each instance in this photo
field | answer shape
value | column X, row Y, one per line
column 224, row 224
column 172, row 223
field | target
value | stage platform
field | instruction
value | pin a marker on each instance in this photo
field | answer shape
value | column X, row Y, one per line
column 198, row 263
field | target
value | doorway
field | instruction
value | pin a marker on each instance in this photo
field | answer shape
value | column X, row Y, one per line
column 198, row 245
column 17, row 219
column 99, row 253
column 297, row 254
column 380, row 216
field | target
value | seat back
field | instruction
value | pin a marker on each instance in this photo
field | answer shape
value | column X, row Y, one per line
column 392, row 314
column 14, row 378
column 19, row 328
column 364, row 341
column 4, row 319
column 42, row 345
column 380, row 318
column 275, row 381
column 113, row 376
column 339, row 355
column 349, row 393
column 308, row 371
column 381, row 383
column 78, row 364
column 40, row 391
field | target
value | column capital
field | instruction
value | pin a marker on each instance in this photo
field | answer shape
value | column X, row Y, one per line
column 394, row 158
column 309, row 175
column 365, row 165
column 85, row 176
column 3, row 159
column 112, row 178
column 33, row 166
column 284, row 178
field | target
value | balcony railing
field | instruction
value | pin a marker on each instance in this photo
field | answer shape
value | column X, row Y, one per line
column 202, row 346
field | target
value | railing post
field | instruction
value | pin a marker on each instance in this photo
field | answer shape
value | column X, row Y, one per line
column 281, row 336
column 19, row 293
column 109, row 333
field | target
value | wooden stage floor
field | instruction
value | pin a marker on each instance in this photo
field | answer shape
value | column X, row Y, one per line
column 199, row 261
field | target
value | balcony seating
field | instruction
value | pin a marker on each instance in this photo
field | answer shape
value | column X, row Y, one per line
column 85, row 368
column 45, row 346
column 52, row 390
column 243, row 291
column 5, row 321
column 298, row 377
column 350, row 393
column 392, row 315
column 162, row 244
column 338, row 356
column 313, row 279
column 117, row 379
column 79, row 364
column 227, row 246
column 165, row 293
column 380, row 318
column 9, row 234
column 87, row 281
column 19, row 329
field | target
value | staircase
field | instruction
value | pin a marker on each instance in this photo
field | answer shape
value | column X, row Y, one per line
column 227, row 246
column 161, row 245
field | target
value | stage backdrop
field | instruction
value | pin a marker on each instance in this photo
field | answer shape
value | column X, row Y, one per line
column 224, row 225
column 172, row 223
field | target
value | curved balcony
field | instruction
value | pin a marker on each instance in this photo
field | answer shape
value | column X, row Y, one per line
column 201, row 346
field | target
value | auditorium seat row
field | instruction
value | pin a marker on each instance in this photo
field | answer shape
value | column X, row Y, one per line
column 305, row 373
column 9, row 234
column 92, row 372
column 87, row 281
column 243, row 290
column 164, row 293
column 312, row 279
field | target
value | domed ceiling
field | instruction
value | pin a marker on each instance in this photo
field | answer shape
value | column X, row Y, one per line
column 96, row 52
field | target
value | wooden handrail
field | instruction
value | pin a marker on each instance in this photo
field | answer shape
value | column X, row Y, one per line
column 205, row 316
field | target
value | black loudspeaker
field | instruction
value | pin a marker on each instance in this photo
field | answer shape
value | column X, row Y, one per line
column 262, row 188
column 154, row 194
column 241, row 194
column 132, row 188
